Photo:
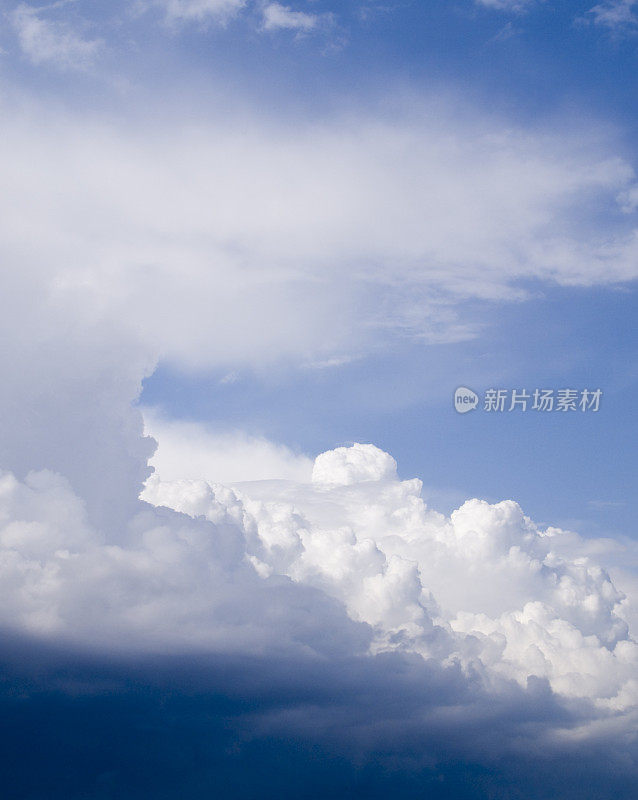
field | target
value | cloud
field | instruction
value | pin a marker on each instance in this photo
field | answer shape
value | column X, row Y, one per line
column 526, row 601
column 347, row 465
column 199, row 11
column 279, row 17
column 331, row 618
column 267, row 241
column 259, row 244
column 176, row 583
column 46, row 41
column 382, row 726
column 506, row 5
column 244, row 243
column 615, row 14
column 390, row 643
column 357, row 550
column 193, row 450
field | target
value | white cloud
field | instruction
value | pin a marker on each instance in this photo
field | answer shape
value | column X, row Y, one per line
column 264, row 241
column 244, row 245
column 200, row 11
column 347, row 465
column 194, row 450
column 279, row 17
column 176, row 583
column 246, row 242
column 506, row 5
column 485, row 583
column 235, row 244
column 274, row 567
column 615, row 14
column 46, row 41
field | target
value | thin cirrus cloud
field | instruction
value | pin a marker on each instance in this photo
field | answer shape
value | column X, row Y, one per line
column 274, row 16
column 506, row 5
column 198, row 11
column 50, row 41
column 279, row 17
column 615, row 14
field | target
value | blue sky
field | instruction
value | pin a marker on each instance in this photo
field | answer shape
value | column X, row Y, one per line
column 534, row 60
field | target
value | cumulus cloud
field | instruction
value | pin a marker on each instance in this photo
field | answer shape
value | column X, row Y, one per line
column 47, row 41
column 177, row 583
column 485, row 583
column 346, row 465
column 357, row 619
column 353, row 563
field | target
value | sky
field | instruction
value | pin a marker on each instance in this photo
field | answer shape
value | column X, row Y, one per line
column 249, row 251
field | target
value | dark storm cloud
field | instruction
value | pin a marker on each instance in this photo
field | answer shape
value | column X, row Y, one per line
column 78, row 725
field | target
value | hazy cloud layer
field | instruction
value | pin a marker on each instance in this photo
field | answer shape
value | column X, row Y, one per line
column 249, row 241
column 195, row 450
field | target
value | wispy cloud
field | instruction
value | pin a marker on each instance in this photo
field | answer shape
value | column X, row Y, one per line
column 329, row 238
column 279, row 17
column 50, row 41
column 506, row 5
column 615, row 14
column 198, row 11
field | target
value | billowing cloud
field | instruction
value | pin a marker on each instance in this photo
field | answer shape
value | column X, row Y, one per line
column 357, row 550
column 362, row 624
column 485, row 583
column 174, row 583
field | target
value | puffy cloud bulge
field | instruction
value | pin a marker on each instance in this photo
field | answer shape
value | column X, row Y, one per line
column 484, row 586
